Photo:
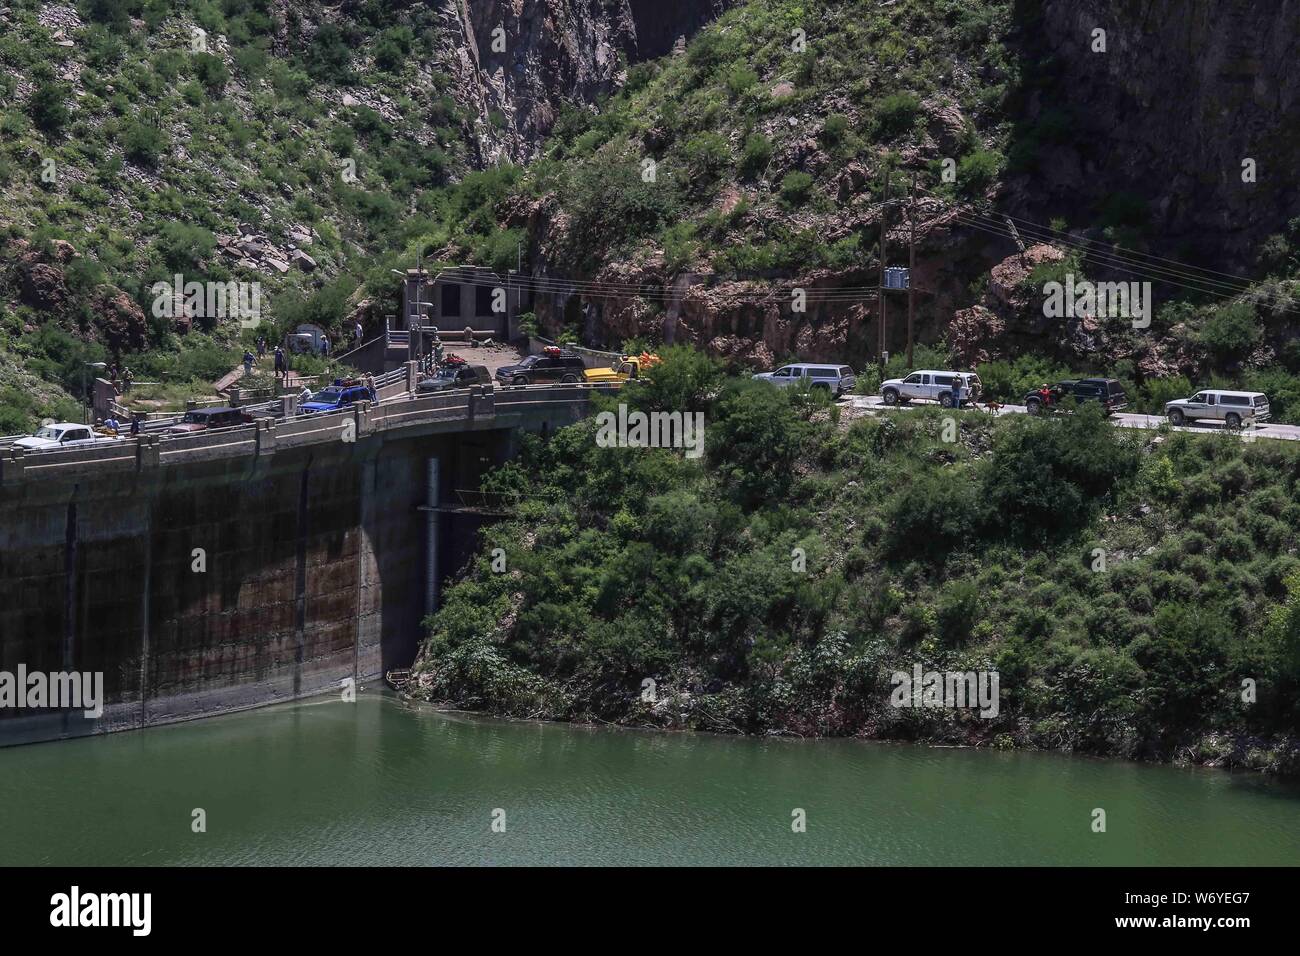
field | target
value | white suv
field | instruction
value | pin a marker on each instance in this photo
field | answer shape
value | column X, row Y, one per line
column 1232, row 408
column 949, row 389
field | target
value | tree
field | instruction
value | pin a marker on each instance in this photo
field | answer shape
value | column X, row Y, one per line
column 1231, row 332
column 755, row 440
column 684, row 380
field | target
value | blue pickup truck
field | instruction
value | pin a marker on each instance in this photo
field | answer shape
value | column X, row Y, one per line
column 344, row 393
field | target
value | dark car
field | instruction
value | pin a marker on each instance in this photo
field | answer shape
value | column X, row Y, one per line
column 549, row 367
column 344, row 393
column 1108, row 391
column 454, row 376
column 201, row 419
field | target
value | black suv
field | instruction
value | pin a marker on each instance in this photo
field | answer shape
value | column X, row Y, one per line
column 454, row 376
column 1108, row 391
column 543, row 369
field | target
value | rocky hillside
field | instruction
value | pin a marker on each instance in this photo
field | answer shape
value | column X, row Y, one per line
column 301, row 146
column 703, row 158
column 772, row 132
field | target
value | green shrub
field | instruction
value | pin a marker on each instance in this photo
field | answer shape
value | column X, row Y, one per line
column 755, row 155
column 796, row 187
column 211, row 71
column 48, row 107
column 896, row 114
column 142, row 142
column 1230, row 332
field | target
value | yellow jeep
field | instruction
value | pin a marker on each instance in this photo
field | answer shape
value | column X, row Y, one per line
column 629, row 367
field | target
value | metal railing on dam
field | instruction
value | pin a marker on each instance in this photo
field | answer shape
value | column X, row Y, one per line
column 461, row 410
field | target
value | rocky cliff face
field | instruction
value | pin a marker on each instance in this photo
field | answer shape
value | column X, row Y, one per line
column 1144, row 143
column 515, row 62
column 1185, row 92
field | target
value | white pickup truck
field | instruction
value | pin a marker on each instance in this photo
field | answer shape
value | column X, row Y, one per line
column 60, row 435
column 949, row 389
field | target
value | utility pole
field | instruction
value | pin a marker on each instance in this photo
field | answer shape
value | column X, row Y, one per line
column 419, row 307
column 884, row 210
column 519, row 292
column 911, row 269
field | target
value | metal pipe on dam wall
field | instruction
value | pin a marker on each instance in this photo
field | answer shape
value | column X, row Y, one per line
column 204, row 588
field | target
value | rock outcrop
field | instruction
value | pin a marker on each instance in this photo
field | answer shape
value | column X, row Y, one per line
column 515, row 62
column 1184, row 95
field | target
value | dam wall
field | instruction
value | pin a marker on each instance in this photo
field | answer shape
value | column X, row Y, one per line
column 202, row 576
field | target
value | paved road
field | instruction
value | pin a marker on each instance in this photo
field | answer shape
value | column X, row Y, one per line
column 874, row 404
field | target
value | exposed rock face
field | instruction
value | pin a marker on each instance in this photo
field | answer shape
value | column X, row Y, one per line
column 119, row 320
column 43, row 287
column 1186, row 91
column 520, row 59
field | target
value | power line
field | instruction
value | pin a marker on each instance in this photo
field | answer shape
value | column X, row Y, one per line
column 553, row 286
column 1125, row 259
column 1280, row 301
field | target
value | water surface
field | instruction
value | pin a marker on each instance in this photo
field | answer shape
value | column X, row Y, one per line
column 386, row 782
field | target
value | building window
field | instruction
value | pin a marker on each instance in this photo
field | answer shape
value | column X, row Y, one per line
column 450, row 300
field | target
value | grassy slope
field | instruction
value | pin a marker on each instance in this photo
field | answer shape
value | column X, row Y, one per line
column 159, row 148
column 745, row 109
column 977, row 553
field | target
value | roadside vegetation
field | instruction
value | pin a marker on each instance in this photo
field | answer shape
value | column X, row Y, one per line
column 1123, row 584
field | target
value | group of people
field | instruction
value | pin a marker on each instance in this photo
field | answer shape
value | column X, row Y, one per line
column 112, row 427
column 121, row 381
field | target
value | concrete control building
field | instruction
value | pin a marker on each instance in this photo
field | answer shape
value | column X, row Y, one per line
column 459, row 298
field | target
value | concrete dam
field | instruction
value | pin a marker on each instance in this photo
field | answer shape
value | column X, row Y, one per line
column 234, row 568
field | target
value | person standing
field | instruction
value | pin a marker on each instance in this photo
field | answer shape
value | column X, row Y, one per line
column 135, row 426
column 126, row 379
column 281, row 369
column 249, row 359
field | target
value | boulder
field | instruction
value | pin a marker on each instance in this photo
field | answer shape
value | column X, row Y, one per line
column 43, row 287
column 120, row 321
column 971, row 334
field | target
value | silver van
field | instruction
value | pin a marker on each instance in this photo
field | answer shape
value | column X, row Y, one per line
column 1232, row 408
column 949, row 389
column 837, row 379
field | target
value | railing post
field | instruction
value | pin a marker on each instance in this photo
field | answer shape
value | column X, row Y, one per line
column 361, row 414
column 412, row 376
column 147, row 452
column 11, row 466
column 265, row 436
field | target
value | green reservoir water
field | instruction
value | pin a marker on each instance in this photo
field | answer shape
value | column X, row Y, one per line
column 382, row 781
